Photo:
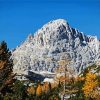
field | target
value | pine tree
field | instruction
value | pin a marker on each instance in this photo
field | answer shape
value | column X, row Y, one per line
column 6, row 65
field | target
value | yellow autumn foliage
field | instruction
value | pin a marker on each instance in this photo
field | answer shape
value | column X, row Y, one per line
column 53, row 85
column 46, row 87
column 31, row 90
column 96, row 95
column 2, row 63
column 39, row 90
column 80, row 78
column 90, row 85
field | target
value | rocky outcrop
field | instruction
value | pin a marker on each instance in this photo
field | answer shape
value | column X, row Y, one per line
column 42, row 50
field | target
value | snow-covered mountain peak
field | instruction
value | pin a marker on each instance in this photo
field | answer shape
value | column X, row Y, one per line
column 56, row 23
column 54, row 26
column 42, row 50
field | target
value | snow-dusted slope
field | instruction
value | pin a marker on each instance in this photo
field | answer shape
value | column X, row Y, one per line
column 42, row 50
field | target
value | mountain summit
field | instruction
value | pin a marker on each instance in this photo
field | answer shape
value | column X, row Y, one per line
column 42, row 50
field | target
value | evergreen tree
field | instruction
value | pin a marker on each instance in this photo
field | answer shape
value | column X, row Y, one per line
column 6, row 65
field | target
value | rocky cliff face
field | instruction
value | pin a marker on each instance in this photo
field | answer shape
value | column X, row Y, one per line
column 42, row 50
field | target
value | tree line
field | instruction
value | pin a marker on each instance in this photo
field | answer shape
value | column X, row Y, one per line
column 86, row 86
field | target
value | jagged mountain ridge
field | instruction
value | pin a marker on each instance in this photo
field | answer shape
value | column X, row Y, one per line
column 42, row 50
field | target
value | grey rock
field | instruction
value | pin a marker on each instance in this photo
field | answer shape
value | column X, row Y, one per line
column 42, row 51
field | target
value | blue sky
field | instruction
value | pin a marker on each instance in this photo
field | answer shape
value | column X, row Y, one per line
column 18, row 18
